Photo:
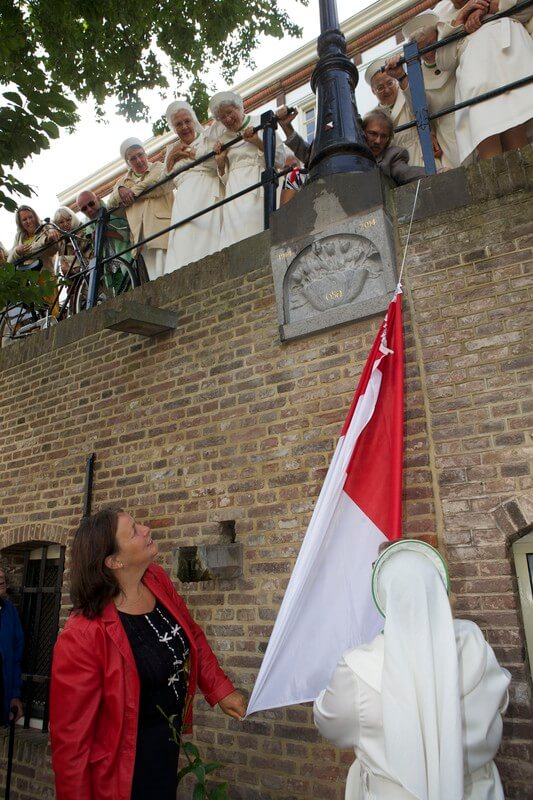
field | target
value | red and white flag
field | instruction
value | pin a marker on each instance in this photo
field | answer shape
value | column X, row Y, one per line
column 328, row 608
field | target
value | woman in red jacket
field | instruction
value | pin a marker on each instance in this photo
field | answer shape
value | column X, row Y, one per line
column 129, row 646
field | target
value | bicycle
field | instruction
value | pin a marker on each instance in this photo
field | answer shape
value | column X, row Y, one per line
column 113, row 278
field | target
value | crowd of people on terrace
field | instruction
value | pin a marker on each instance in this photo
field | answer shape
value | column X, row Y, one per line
column 143, row 205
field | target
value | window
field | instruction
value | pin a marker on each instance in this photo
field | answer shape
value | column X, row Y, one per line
column 41, row 603
column 309, row 115
column 523, row 557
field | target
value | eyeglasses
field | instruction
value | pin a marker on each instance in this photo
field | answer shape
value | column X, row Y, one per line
column 90, row 204
column 384, row 86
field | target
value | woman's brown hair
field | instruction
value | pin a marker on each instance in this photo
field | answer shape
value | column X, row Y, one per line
column 92, row 584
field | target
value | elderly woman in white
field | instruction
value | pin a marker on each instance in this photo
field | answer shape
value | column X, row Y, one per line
column 196, row 188
column 240, row 166
column 494, row 54
column 439, row 84
column 421, row 704
column 394, row 102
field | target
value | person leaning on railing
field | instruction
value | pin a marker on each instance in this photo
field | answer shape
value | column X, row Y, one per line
column 494, row 54
column 393, row 101
column 392, row 161
column 117, row 233
column 67, row 220
column 196, row 189
column 240, row 166
column 29, row 243
column 439, row 85
column 149, row 214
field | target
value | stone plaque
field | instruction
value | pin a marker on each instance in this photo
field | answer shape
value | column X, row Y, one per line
column 337, row 274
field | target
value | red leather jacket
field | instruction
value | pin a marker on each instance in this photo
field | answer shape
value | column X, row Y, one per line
column 94, row 697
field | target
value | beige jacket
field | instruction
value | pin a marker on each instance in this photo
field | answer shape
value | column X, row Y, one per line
column 47, row 256
column 152, row 212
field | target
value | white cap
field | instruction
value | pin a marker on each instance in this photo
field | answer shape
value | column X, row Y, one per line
column 401, row 545
column 182, row 105
column 425, row 20
column 220, row 98
column 127, row 144
column 373, row 68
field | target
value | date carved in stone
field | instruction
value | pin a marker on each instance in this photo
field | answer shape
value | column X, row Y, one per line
column 331, row 272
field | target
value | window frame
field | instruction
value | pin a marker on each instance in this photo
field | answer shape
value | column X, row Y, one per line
column 523, row 548
column 30, row 678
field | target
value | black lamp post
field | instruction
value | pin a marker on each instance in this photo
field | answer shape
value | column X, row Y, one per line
column 340, row 144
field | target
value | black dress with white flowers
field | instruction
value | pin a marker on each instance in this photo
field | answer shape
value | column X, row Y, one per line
column 161, row 651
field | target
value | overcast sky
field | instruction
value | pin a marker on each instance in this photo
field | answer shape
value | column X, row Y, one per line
column 94, row 144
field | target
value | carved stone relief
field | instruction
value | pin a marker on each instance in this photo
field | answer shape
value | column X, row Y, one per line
column 331, row 272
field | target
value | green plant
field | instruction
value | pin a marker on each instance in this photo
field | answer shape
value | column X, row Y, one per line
column 27, row 286
column 196, row 766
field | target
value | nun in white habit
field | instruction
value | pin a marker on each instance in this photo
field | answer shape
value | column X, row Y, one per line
column 499, row 52
column 394, row 102
column 421, row 704
column 240, row 166
column 195, row 189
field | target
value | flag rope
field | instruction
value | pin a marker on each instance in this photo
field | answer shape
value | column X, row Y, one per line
column 408, row 235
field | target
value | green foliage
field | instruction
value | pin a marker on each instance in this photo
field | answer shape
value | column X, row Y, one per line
column 54, row 52
column 197, row 767
column 24, row 287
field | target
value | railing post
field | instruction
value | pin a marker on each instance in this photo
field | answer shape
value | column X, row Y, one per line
column 94, row 263
column 420, row 108
column 269, row 176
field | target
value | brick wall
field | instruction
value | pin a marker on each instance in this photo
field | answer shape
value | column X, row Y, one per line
column 218, row 421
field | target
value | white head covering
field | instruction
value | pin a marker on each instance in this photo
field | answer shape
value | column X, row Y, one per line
column 420, row 684
column 128, row 143
column 373, row 68
column 180, row 105
column 428, row 19
column 220, row 98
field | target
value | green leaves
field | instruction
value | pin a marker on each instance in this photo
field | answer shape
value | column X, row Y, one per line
column 24, row 287
column 54, row 53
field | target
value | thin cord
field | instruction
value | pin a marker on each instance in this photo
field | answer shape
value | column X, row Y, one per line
column 408, row 234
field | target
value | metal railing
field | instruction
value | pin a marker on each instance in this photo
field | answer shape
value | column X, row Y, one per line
column 270, row 176
column 422, row 117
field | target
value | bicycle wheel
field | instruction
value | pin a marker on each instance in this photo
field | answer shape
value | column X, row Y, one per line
column 12, row 320
column 79, row 298
column 120, row 276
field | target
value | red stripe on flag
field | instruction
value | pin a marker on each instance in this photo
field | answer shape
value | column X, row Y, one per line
column 374, row 475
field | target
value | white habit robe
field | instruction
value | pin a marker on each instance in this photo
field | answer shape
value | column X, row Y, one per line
column 196, row 189
column 350, row 714
column 440, row 94
column 499, row 52
column 244, row 217
column 401, row 113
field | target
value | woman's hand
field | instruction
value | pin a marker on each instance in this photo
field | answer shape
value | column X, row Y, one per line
column 22, row 249
column 179, row 152
column 437, row 149
column 53, row 235
column 17, row 705
column 127, row 198
column 473, row 23
column 469, row 8
column 394, row 69
column 220, row 157
column 234, row 705
column 251, row 136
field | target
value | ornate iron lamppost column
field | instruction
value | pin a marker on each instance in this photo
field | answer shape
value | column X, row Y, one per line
column 339, row 144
